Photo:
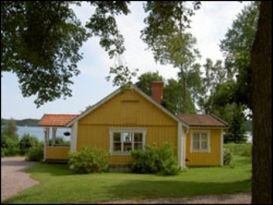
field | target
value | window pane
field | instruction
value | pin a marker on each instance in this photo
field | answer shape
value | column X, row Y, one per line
column 195, row 137
column 126, row 136
column 196, row 145
column 127, row 146
column 117, row 146
column 204, row 145
column 138, row 137
column 138, row 146
column 204, row 136
column 116, row 136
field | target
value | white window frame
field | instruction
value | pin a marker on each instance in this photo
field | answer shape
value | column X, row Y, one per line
column 127, row 129
column 208, row 140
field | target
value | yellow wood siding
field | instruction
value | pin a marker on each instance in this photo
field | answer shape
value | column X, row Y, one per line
column 57, row 153
column 211, row 158
column 127, row 109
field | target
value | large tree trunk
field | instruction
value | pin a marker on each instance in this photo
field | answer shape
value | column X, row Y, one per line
column 261, row 64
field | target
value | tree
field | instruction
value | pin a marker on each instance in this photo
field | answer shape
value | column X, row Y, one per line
column 145, row 81
column 236, row 47
column 236, row 128
column 40, row 42
column 172, row 92
column 165, row 34
column 173, row 98
column 261, row 96
column 214, row 75
column 10, row 129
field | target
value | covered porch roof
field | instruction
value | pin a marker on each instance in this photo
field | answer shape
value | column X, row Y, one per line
column 56, row 120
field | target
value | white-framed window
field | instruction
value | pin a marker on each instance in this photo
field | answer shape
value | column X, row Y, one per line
column 200, row 141
column 124, row 140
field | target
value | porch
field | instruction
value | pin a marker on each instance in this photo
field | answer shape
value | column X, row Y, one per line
column 57, row 136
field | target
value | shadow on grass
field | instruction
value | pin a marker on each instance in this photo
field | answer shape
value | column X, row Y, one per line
column 142, row 189
column 50, row 169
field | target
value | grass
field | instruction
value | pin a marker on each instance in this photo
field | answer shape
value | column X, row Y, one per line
column 59, row 185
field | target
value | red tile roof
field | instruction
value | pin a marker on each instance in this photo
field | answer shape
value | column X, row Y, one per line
column 196, row 120
column 56, row 120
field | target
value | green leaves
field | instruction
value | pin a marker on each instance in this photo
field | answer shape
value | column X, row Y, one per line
column 41, row 44
column 103, row 25
column 236, row 47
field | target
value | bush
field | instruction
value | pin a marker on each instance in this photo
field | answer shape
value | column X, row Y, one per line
column 239, row 149
column 36, row 153
column 26, row 142
column 227, row 156
column 88, row 160
column 154, row 160
column 247, row 152
column 9, row 145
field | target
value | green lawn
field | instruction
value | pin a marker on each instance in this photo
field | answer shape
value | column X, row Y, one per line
column 59, row 185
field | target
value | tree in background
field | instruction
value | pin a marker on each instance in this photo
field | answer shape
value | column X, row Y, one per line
column 261, row 101
column 172, row 94
column 165, row 34
column 9, row 139
column 145, row 81
column 229, row 84
column 236, row 126
column 236, row 47
column 10, row 129
column 173, row 98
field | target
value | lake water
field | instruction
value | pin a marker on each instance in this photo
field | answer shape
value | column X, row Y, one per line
column 39, row 132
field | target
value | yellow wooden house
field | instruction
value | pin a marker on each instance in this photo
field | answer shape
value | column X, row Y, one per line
column 129, row 119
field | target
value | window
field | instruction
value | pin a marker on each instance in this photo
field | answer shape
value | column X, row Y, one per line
column 126, row 140
column 200, row 142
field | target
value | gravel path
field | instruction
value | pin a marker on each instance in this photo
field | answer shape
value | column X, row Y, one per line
column 13, row 178
column 243, row 198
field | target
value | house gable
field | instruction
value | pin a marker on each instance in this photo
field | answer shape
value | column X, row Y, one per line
column 128, row 107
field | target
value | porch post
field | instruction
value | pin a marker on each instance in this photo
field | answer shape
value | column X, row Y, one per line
column 46, row 133
column 54, row 130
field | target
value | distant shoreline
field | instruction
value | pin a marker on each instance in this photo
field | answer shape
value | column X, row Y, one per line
column 25, row 122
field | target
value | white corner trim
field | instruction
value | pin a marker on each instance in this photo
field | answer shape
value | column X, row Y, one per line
column 73, row 145
column 185, row 143
column 209, row 141
column 180, row 156
column 222, row 148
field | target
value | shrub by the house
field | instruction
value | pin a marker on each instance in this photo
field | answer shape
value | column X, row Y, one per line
column 154, row 160
column 35, row 153
column 227, row 156
column 88, row 160
column 26, row 142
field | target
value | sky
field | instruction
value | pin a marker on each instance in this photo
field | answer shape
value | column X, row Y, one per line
column 209, row 25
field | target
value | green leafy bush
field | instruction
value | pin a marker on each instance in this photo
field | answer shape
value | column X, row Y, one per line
column 240, row 149
column 227, row 156
column 35, row 153
column 154, row 160
column 9, row 145
column 88, row 160
column 26, row 142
